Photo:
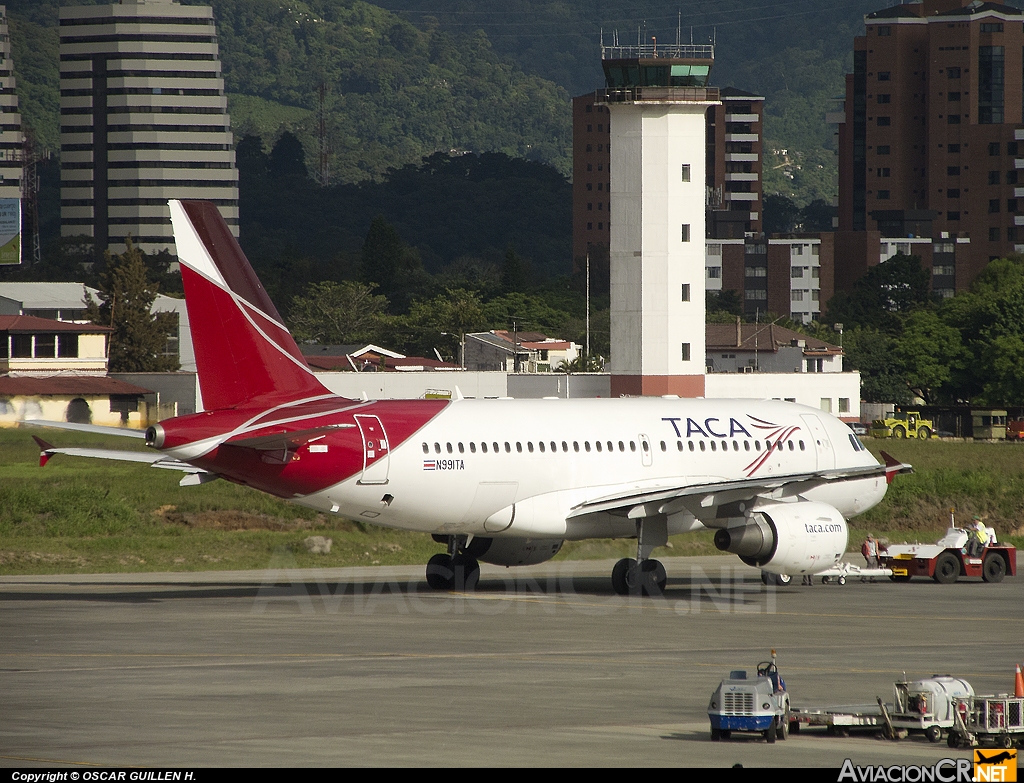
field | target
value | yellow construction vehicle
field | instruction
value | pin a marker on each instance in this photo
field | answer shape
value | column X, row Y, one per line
column 901, row 425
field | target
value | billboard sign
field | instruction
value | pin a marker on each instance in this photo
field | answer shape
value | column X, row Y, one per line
column 10, row 231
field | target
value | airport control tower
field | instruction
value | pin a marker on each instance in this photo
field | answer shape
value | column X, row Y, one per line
column 657, row 96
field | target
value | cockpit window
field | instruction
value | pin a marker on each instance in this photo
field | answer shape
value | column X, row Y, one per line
column 855, row 442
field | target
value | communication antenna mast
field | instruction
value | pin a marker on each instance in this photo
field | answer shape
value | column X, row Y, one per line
column 679, row 24
column 324, row 172
column 30, row 157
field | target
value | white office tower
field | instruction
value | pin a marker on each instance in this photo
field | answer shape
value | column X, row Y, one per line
column 657, row 98
column 144, row 119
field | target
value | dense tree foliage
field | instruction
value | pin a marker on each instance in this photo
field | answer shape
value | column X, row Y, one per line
column 457, row 215
column 908, row 346
column 139, row 337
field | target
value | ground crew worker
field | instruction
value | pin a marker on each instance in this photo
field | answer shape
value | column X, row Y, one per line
column 870, row 552
column 977, row 538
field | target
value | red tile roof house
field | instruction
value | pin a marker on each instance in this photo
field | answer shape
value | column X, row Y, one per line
column 57, row 371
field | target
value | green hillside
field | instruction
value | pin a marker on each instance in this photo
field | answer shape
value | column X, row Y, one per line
column 394, row 92
column 434, row 75
column 793, row 52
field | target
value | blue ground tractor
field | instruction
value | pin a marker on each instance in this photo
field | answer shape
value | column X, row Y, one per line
column 757, row 704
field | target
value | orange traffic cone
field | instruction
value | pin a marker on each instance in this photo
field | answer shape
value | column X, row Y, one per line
column 1018, row 683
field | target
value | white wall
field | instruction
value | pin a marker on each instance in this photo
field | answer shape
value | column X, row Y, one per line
column 805, row 388
column 412, row 385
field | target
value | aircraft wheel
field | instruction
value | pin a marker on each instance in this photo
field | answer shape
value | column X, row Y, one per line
column 841, row 580
column 994, row 568
column 933, row 733
column 439, row 572
column 653, row 577
column 620, row 575
column 465, row 573
column 947, row 569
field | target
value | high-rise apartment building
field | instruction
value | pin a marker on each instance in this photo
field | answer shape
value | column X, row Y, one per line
column 11, row 140
column 144, row 119
column 11, row 144
column 735, row 133
column 932, row 140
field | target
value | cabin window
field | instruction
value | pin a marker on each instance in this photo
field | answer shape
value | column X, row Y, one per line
column 576, row 446
column 702, row 447
column 437, row 448
column 802, row 446
column 632, row 446
column 714, row 446
column 472, row 448
column 449, row 447
column 554, row 447
column 735, row 446
column 508, row 448
column 519, row 447
column 586, row 446
column 663, row 446
column 529, row 446
column 725, row 445
column 611, row 446
column 622, row 446
column 483, row 447
column 540, row 445
column 426, row 449
column 679, row 445
column 597, row 445
column 565, row 446
column 462, row 449
column 496, row 449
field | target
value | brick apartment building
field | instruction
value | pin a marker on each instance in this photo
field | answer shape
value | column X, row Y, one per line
column 930, row 141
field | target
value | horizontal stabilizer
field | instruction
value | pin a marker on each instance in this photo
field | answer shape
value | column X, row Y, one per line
column 121, row 432
column 154, row 459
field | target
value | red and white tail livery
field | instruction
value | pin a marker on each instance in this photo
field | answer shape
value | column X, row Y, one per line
column 502, row 481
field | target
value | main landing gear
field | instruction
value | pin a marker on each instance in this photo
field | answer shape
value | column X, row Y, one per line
column 643, row 576
column 456, row 570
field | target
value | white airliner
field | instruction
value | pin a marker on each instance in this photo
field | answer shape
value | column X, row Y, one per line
column 502, row 481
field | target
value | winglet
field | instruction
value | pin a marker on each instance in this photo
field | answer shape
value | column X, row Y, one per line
column 893, row 466
column 45, row 450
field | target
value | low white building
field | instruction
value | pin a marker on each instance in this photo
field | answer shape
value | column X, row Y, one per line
column 66, row 302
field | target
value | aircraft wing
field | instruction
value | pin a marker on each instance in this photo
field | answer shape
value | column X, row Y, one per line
column 703, row 500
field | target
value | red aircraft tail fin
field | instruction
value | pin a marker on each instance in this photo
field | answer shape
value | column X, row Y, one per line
column 45, row 451
column 243, row 349
column 893, row 466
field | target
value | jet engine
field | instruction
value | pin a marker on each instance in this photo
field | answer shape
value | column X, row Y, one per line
column 788, row 538
column 513, row 551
